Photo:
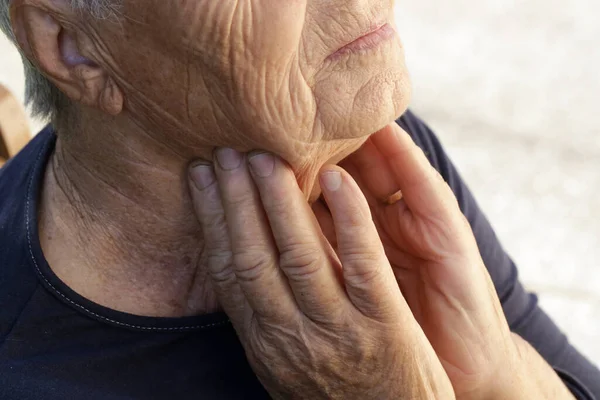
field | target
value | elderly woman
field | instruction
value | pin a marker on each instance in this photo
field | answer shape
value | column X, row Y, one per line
column 349, row 270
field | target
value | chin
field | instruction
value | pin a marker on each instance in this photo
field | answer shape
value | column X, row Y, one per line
column 372, row 110
column 363, row 93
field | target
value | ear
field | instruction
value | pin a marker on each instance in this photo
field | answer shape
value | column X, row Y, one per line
column 50, row 37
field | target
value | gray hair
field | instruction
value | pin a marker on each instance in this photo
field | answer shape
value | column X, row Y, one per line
column 45, row 100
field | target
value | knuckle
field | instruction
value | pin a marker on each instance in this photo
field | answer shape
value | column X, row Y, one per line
column 300, row 260
column 220, row 263
column 362, row 268
column 223, row 276
column 216, row 256
column 215, row 229
column 250, row 265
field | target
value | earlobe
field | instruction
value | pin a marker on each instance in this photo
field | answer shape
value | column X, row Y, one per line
column 56, row 51
column 112, row 98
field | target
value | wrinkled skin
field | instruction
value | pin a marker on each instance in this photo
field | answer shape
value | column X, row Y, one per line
column 438, row 267
column 315, row 324
column 258, row 74
column 314, row 300
column 166, row 82
column 180, row 78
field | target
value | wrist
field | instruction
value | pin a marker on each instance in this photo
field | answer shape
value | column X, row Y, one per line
column 527, row 376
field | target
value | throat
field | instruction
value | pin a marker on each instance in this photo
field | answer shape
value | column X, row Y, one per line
column 119, row 243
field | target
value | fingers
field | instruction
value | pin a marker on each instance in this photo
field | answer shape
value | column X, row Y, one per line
column 404, row 163
column 370, row 282
column 303, row 254
column 254, row 258
column 265, row 247
column 371, row 171
column 209, row 211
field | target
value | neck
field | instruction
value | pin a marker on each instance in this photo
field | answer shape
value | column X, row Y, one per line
column 117, row 224
column 116, row 220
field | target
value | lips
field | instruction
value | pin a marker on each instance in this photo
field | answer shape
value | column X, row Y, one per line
column 366, row 40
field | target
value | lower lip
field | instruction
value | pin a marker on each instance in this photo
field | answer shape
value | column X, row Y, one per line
column 367, row 42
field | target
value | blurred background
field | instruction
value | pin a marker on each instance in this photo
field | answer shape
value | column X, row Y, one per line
column 512, row 88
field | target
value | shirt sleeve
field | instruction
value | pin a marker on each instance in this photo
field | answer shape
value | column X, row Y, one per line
column 521, row 308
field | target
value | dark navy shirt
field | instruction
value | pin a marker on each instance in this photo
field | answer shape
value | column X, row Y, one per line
column 55, row 344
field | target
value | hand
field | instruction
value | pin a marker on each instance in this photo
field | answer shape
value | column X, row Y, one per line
column 315, row 324
column 438, row 267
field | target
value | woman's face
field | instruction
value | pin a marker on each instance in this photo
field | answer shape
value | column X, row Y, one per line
column 260, row 74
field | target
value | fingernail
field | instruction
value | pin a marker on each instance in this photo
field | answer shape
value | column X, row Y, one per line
column 332, row 180
column 202, row 175
column 262, row 164
column 228, row 158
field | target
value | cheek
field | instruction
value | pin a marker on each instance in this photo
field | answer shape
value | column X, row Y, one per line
column 253, row 54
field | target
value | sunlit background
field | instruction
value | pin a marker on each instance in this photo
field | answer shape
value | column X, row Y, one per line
column 512, row 89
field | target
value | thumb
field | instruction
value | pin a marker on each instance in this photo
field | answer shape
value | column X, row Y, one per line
column 368, row 276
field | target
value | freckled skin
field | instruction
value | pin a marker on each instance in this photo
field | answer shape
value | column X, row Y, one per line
column 255, row 74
